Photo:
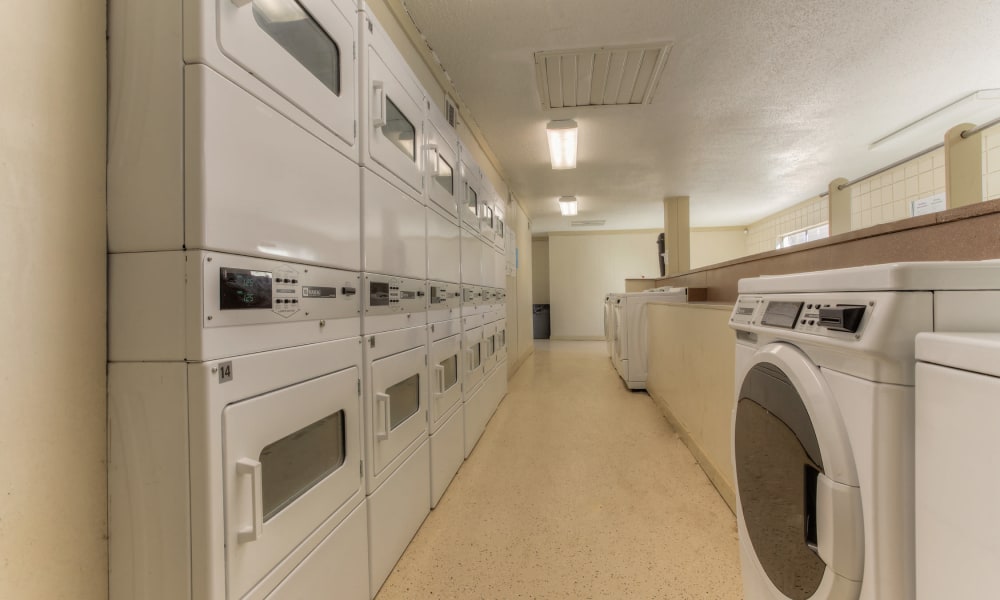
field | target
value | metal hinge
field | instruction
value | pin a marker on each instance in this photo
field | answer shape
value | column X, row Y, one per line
column 361, row 468
column 359, row 388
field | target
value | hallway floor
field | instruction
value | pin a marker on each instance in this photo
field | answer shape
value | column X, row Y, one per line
column 578, row 489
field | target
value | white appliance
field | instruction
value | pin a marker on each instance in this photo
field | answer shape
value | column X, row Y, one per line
column 488, row 199
column 609, row 322
column 397, row 451
column 629, row 347
column 499, row 226
column 472, row 191
column 957, row 420
column 225, row 135
column 473, row 372
column 446, row 417
column 443, row 195
column 393, row 105
column 823, row 421
column 238, row 477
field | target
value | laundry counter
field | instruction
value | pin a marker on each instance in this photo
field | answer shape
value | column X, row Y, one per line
column 691, row 378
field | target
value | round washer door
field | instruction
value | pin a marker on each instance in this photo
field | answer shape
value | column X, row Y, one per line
column 799, row 501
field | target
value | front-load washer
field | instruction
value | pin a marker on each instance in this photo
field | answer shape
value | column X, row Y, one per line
column 444, row 191
column 238, row 477
column 242, row 136
column 629, row 348
column 198, row 306
column 397, row 452
column 486, row 212
column 823, row 421
column 445, row 416
column 957, row 419
column 472, row 191
column 472, row 379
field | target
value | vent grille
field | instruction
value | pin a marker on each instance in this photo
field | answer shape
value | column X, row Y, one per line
column 588, row 223
column 605, row 76
column 450, row 112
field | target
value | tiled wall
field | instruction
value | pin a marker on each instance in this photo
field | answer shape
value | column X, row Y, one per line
column 887, row 196
column 991, row 163
column 763, row 234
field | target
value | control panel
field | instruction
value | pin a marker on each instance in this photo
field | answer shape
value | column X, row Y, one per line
column 812, row 314
column 244, row 291
column 444, row 295
column 472, row 294
column 385, row 294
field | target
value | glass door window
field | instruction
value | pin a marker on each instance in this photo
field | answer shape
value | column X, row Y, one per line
column 399, row 130
column 289, row 24
column 404, row 400
column 450, row 366
column 397, row 404
column 444, row 176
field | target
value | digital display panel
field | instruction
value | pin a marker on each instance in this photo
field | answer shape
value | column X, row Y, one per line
column 378, row 293
column 243, row 288
column 781, row 314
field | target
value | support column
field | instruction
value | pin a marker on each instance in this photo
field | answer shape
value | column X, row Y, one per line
column 677, row 227
column 963, row 166
column 840, row 206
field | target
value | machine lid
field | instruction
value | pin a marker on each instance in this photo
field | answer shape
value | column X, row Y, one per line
column 909, row 276
column 975, row 352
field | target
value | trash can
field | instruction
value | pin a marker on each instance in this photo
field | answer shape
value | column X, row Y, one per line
column 661, row 250
column 540, row 321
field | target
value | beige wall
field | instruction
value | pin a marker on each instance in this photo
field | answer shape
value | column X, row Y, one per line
column 523, row 344
column 691, row 377
column 53, row 502
column 711, row 246
column 540, row 271
column 585, row 267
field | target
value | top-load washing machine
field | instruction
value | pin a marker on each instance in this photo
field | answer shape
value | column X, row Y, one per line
column 823, row 421
column 628, row 352
column 393, row 109
column 232, row 128
column 957, row 420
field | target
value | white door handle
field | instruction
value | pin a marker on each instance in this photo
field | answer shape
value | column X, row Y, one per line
column 251, row 467
column 439, row 374
column 378, row 96
column 383, row 399
column 433, row 160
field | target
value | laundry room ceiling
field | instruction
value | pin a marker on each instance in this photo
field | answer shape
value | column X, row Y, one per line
column 759, row 106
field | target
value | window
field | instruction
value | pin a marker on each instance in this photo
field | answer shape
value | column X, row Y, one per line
column 291, row 26
column 444, row 176
column 450, row 365
column 399, row 130
column 298, row 461
column 404, row 400
column 477, row 357
column 802, row 236
column 472, row 201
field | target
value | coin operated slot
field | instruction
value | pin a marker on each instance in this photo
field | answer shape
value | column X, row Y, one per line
column 841, row 317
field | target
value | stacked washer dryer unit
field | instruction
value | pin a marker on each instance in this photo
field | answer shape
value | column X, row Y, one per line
column 628, row 348
column 235, row 417
column 394, row 254
column 823, row 441
column 483, row 268
column 444, row 332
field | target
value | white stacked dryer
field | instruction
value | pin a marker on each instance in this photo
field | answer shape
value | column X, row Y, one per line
column 823, row 424
column 446, row 416
column 396, row 394
column 628, row 352
column 473, row 367
column 235, row 429
column 393, row 109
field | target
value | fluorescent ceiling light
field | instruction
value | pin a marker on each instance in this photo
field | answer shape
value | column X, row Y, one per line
column 977, row 108
column 567, row 206
column 562, row 143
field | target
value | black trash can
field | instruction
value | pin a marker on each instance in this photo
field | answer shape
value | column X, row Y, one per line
column 541, row 327
column 661, row 249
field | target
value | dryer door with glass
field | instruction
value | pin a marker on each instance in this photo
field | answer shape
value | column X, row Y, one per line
column 800, row 520
column 445, row 377
column 301, row 49
column 472, row 373
column 441, row 164
column 398, row 395
column 501, row 340
column 291, row 459
column 472, row 193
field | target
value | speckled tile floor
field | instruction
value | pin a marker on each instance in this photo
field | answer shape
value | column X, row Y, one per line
column 578, row 489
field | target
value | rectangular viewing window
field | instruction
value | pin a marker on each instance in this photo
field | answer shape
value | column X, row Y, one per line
column 292, row 465
column 445, row 176
column 477, row 356
column 301, row 36
column 491, row 345
column 472, row 201
column 450, row 365
column 399, row 130
column 404, row 400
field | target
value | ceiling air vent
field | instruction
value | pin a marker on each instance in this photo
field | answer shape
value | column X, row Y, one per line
column 450, row 112
column 588, row 223
column 604, row 76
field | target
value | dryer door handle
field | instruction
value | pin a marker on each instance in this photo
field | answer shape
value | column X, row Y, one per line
column 251, row 467
column 383, row 400
column 378, row 96
column 433, row 159
column 439, row 374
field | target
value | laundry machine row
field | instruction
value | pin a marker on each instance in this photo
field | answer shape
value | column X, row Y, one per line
column 823, row 424
column 628, row 316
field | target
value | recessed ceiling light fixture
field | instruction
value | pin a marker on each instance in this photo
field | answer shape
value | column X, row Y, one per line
column 567, row 206
column 562, row 143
